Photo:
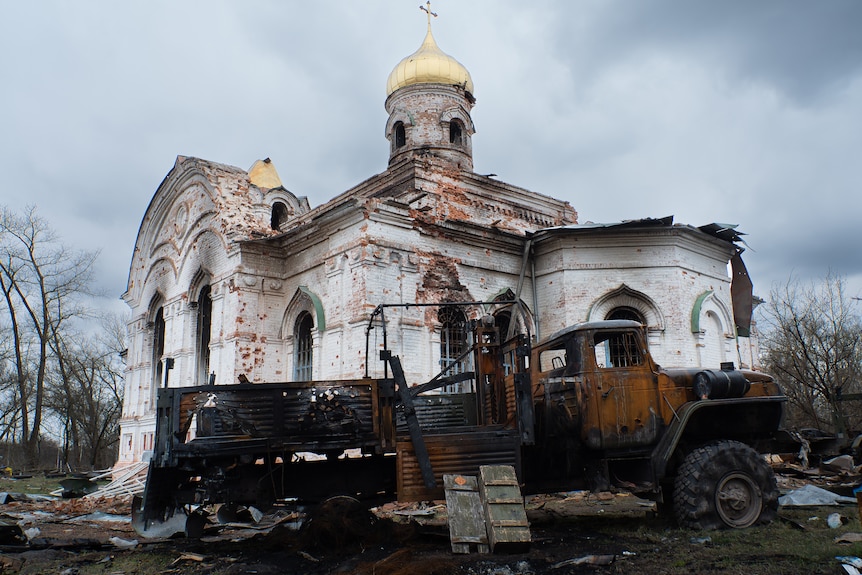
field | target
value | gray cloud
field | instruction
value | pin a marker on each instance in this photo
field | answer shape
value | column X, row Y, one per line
column 713, row 111
column 803, row 49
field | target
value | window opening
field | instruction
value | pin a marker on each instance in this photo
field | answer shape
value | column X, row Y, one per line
column 279, row 215
column 617, row 349
column 561, row 358
column 205, row 311
column 158, row 352
column 400, row 135
column 625, row 312
column 502, row 320
column 304, row 347
column 455, row 132
column 453, row 343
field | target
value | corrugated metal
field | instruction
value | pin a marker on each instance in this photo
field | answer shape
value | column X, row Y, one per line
column 330, row 413
column 442, row 411
column 459, row 451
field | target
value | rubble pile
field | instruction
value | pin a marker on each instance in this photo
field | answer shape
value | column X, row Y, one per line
column 837, row 474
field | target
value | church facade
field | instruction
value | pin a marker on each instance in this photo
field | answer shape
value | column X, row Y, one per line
column 235, row 278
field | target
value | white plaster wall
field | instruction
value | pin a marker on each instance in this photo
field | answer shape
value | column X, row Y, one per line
column 671, row 270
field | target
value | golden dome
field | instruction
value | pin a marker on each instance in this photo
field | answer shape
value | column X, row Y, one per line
column 428, row 65
column 263, row 175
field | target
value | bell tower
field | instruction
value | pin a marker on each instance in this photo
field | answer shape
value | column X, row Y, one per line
column 429, row 98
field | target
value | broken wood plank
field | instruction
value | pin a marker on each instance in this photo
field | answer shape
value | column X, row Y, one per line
column 466, row 517
column 505, row 515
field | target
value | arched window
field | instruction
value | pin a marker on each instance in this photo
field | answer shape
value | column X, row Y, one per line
column 503, row 319
column 627, row 303
column 455, row 132
column 158, row 352
column 453, row 340
column 204, row 331
column 303, row 347
column 625, row 312
column 279, row 215
column 400, row 135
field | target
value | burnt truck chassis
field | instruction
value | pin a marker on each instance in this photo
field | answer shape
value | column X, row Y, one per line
column 255, row 444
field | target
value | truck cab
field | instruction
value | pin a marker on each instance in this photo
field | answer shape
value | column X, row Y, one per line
column 607, row 414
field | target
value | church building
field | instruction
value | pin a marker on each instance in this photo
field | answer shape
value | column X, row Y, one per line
column 236, row 278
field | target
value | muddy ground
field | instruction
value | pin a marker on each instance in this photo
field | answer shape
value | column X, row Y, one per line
column 571, row 533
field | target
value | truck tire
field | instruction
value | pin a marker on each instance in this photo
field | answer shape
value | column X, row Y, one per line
column 724, row 484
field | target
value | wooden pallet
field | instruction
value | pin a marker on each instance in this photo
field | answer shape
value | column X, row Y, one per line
column 505, row 515
column 466, row 516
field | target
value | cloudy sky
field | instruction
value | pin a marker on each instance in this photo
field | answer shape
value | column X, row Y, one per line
column 712, row 111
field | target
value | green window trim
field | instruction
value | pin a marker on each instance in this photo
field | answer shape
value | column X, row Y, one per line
column 695, row 311
column 318, row 308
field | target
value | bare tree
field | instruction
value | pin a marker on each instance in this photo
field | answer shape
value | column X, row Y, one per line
column 40, row 281
column 88, row 399
column 812, row 344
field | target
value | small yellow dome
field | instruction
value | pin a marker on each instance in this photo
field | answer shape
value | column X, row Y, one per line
column 428, row 65
column 263, row 175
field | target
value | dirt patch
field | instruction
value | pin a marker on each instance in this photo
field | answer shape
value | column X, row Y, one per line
column 571, row 533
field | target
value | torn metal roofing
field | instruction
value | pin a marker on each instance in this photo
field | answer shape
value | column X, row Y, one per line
column 726, row 232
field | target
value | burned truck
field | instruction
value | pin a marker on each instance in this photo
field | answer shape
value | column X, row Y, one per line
column 586, row 408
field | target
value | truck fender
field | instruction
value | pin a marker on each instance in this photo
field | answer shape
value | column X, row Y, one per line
column 735, row 418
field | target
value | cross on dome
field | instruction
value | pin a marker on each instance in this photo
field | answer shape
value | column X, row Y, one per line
column 429, row 65
column 428, row 11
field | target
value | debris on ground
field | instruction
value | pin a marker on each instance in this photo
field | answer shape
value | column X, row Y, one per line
column 838, row 473
column 76, row 487
column 851, row 565
column 811, row 495
column 121, row 543
column 586, row 560
column 849, row 538
column 841, row 464
column 10, row 532
column 189, row 557
column 53, row 535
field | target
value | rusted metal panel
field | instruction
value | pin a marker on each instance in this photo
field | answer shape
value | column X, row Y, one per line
column 459, row 451
column 292, row 416
column 626, row 401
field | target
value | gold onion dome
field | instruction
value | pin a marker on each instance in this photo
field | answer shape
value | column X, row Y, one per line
column 263, row 174
column 428, row 65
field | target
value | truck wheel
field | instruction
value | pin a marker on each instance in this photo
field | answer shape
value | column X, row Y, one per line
column 724, row 484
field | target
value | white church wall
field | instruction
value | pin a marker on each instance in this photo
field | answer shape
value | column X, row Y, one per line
column 666, row 272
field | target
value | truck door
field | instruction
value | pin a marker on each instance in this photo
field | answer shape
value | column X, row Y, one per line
column 621, row 391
